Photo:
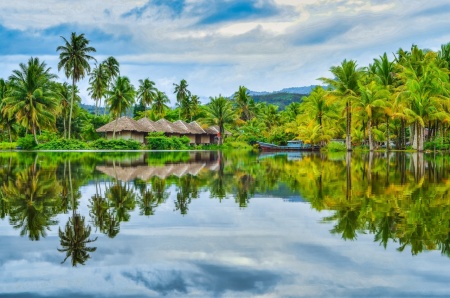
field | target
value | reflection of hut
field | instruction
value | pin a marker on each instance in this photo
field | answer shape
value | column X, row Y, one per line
column 138, row 130
column 147, row 172
column 126, row 128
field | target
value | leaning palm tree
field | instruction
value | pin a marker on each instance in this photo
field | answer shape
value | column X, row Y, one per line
column 182, row 94
column 30, row 99
column 219, row 112
column 120, row 98
column 146, row 92
column 159, row 106
column 74, row 58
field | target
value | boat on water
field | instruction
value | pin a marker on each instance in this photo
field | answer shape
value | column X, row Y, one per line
column 295, row 145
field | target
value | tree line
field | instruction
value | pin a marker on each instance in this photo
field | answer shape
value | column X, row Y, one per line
column 398, row 102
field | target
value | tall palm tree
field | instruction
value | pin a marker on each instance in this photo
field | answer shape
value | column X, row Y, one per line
column 182, row 93
column 146, row 92
column 112, row 68
column 64, row 93
column 345, row 84
column 6, row 122
column 372, row 97
column 31, row 100
column 98, row 81
column 159, row 106
column 194, row 106
column 219, row 112
column 74, row 58
column 120, row 98
column 245, row 103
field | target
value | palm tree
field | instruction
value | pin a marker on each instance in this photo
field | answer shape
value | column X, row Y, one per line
column 64, row 92
column 120, row 98
column 182, row 93
column 345, row 84
column 98, row 83
column 194, row 106
column 74, row 58
column 146, row 92
column 372, row 97
column 245, row 103
column 31, row 100
column 112, row 70
column 5, row 121
column 219, row 112
column 159, row 106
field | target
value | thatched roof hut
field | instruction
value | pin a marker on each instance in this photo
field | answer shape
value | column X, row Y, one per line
column 123, row 124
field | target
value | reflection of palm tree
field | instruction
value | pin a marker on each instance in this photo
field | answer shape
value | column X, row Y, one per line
column 122, row 200
column 74, row 240
column 32, row 198
column 76, row 235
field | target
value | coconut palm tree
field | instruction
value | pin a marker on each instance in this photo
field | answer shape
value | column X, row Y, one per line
column 30, row 100
column 345, row 85
column 244, row 103
column 194, row 106
column 372, row 97
column 182, row 94
column 146, row 92
column 6, row 122
column 98, row 81
column 64, row 93
column 219, row 112
column 74, row 59
column 159, row 106
column 120, row 98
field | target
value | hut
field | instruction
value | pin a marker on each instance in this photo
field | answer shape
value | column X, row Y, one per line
column 126, row 128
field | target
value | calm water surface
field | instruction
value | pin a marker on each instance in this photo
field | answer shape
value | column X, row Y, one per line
column 212, row 224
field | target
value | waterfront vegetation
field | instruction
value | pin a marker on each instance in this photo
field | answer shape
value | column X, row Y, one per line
column 399, row 198
column 402, row 102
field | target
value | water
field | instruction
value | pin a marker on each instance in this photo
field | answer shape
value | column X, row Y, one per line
column 212, row 224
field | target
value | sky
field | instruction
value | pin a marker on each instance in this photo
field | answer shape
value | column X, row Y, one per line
column 219, row 45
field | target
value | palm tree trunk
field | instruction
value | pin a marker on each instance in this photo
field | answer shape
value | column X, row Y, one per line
column 34, row 134
column 9, row 132
column 388, row 134
column 348, row 137
column 71, row 103
column 115, row 126
column 369, row 130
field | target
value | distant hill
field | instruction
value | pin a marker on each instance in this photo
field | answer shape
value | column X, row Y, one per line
column 283, row 97
column 281, row 100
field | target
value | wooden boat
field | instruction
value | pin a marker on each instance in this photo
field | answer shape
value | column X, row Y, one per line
column 296, row 145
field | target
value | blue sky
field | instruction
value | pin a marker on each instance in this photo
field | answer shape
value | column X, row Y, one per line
column 218, row 45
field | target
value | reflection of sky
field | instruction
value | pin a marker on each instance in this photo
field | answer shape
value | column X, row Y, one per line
column 272, row 248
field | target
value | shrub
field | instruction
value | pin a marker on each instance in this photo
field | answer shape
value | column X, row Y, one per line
column 157, row 141
column 63, row 144
column 335, row 147
column 437, row 144
column 27, row 142
column 116, row 144
column 8, row 145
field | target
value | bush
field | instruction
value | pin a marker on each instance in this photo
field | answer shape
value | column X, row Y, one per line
column 27, row 142
column 8, row 145
column 437, row 144
column 335, row 147
column 116, row 144
column 63, row 144
column 157, row 141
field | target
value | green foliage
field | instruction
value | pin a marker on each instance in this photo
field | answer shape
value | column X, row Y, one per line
column 8, row 145
column 157, row 141
column 63, row 144
column 27, row 142
column 115, row 144
column 237, row 145
column 335, row 147
column 437, row 144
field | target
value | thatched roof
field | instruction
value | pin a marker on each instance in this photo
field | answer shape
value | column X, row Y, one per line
column 151, row 125
column 123, row 124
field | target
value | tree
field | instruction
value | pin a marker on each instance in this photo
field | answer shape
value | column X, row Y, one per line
column 219, row 112
column 74, row 58
column 372, row 97
column 120, row 98
column 146, row 92
column 6, row 122
column 182, row 93
column 159, row 106
column 31, row 100
column 98, row 81
column 345, row 85
column 244, row 103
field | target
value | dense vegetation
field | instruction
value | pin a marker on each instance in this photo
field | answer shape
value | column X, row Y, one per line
column 398, row 102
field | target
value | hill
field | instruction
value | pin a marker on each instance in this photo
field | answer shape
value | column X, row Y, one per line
column 281, row 100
